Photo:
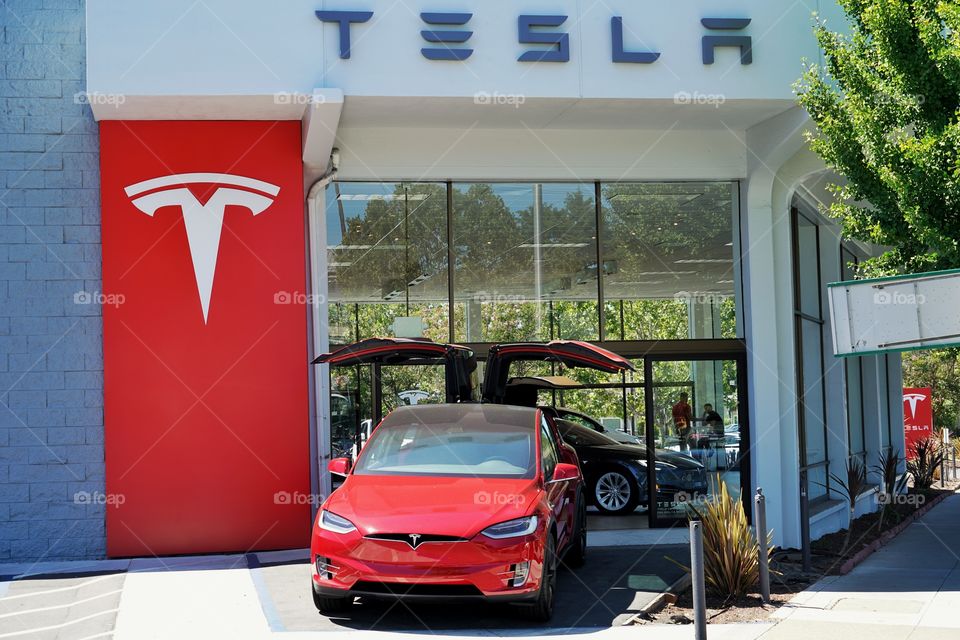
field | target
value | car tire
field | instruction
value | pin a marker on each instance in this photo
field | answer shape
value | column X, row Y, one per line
column 328, row 605
column 576, row 555
column 615, row 492
column 542, row 608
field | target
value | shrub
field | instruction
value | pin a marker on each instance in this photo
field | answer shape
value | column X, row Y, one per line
column 850, row 487
column 888, row 467
column 730, row 548
column 927, row 456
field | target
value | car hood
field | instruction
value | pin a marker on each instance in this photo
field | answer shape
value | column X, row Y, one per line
column 429, row 504
column 679, row 460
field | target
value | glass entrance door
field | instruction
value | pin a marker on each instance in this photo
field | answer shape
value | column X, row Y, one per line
column 699, row 434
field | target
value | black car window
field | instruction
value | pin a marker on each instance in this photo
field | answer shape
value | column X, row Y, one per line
column 582, row 420
column 548, row 450
column 579, row 435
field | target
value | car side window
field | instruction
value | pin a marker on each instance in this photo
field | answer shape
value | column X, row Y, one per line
column 548, row 450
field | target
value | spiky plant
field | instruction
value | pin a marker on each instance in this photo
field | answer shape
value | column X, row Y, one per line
column 850, row 487
column 888, row 467
column 927, row 456
column 730, row 548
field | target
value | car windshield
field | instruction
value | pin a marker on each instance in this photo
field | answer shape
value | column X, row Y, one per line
column 579, row 435
column 454, row 449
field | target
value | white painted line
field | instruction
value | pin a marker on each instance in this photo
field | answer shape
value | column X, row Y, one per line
column 61, row 606
column 48, row 591
column 58, row 626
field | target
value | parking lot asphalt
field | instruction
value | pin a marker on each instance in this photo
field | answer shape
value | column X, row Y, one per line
column 615, row 583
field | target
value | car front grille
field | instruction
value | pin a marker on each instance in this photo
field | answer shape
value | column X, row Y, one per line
column 414, row 539
column 418, row 590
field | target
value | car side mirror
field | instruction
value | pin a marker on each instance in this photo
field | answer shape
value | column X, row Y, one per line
column 339, row 466
column 565, row 471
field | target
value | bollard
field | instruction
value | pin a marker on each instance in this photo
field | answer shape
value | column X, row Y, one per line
column 697, row 583
column 760, row 524
column 805, row 523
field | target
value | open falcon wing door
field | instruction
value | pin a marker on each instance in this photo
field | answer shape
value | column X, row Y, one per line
column 569, row 353
column 460, row 363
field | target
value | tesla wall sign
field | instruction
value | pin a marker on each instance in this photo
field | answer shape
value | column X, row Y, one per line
column 446, row 36
column 205, row 376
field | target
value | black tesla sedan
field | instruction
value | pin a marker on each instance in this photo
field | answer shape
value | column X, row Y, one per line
column 616, row 473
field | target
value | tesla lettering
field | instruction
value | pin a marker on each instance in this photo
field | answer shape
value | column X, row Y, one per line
column 204, row 222
column 531, row 29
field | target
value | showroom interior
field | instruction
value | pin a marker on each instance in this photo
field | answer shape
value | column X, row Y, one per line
column 479, row 263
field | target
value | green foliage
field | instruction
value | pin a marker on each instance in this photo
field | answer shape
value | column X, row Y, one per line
column 938, row 369
column 927, row 456
column 731, row 552
column 888, row 467
column 886, row 108
column 850, row 486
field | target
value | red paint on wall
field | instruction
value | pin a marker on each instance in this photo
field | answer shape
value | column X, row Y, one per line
column 206, row 434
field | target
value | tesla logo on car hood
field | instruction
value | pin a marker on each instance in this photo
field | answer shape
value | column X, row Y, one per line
column 414, row 539
column 204, row 221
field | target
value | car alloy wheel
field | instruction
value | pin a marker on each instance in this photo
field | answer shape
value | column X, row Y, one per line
column 615, row 493
column 542, row 608
column 576, row 556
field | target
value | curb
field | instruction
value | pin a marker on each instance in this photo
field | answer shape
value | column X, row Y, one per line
column 669, row 596
column 889, row 535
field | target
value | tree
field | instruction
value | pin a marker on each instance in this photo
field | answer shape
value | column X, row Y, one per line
column 886, row 108
column 938, row 369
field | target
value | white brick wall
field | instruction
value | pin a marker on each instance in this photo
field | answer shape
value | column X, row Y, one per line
column 51, row 364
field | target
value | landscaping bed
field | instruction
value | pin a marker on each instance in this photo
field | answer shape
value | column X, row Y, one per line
column 787, row 576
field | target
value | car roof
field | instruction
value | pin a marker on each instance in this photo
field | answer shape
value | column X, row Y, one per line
column 503, row 414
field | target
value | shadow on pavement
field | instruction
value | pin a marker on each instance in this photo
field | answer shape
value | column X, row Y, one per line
column 615, row 582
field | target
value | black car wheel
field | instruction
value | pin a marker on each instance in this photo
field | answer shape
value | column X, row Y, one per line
column 615, row 493
column 577, row 553
column 330, row 605
column 542, row 608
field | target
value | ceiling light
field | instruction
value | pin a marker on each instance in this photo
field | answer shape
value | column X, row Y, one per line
column 703, row 261
column 664, row 273
column 553, row 245
column 386, row 197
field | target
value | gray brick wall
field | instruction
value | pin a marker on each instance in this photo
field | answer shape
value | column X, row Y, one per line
column 51, row 363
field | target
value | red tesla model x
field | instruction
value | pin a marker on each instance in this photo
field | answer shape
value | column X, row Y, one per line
column 451, row 501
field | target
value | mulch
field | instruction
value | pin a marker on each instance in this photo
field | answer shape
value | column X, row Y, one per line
column 828, row 557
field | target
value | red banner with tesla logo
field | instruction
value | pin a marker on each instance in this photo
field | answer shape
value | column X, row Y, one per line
column 917, row 416
column 205, row 352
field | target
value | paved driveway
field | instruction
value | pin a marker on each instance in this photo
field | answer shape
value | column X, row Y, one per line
column 615, row 582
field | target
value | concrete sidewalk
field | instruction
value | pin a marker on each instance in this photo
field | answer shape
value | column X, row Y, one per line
column 908, row 590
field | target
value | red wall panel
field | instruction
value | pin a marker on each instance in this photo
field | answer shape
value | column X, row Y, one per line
column 205, row 370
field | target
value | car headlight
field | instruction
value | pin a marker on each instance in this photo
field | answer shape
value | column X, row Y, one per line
column 337, row 524
column 512, row 528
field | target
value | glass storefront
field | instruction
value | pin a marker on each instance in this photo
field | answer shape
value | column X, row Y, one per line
column 648, row 270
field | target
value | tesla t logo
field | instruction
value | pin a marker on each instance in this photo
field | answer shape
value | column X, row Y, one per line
column 204, row 221
column 912, row 399
column 414, row 538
